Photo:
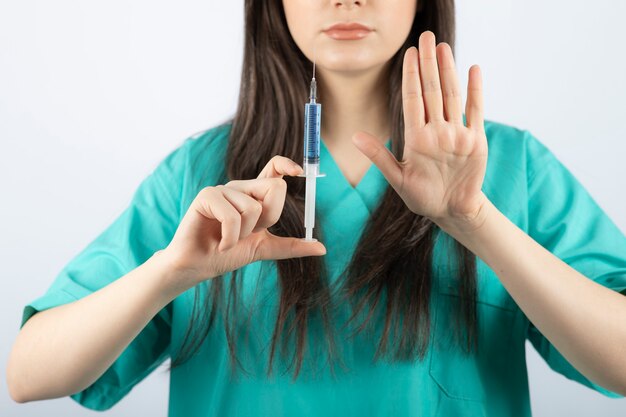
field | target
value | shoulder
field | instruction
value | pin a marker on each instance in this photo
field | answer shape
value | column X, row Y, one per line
column 515, row 149
column 212, row 135
column 205, row 159
column 505, row 140
column 204, row 146
column 214, row 139
column 515, row 156
column 206, row 150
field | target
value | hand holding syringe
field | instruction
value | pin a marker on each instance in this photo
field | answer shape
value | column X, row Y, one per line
column 311, row 163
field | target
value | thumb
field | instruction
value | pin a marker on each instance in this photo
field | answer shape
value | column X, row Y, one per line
column 278, row 247
column 382, row 157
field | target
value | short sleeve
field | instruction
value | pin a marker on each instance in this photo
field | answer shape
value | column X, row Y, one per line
column 145, row 226
column 565, row 219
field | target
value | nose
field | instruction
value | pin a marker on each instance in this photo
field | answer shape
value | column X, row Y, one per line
column 348, row 4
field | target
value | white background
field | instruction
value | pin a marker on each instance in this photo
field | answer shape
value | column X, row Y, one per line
column 94, row 95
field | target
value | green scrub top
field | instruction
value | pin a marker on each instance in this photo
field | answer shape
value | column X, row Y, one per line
column 523, row 179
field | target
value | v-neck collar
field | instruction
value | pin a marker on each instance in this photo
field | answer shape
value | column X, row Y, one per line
column 369, row 188
column 342, row 210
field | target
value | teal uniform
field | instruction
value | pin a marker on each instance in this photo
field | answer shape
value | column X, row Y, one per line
column 523, row 179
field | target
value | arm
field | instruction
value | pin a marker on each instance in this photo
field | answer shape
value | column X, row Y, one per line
column 63, row 350
column 441, row 176
column 569, row 309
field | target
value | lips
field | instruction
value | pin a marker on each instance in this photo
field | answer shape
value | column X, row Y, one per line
column 347, row 31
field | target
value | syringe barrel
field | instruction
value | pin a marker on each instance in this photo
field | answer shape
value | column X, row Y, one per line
column 312, row 121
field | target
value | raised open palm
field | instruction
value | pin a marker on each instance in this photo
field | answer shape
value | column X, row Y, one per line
column 444, row 161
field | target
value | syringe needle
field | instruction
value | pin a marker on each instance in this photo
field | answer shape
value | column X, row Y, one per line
column 314, row 59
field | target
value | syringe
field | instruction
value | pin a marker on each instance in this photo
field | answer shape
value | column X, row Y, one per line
column 311, row 164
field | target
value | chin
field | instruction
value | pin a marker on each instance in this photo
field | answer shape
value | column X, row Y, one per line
column 349, row 60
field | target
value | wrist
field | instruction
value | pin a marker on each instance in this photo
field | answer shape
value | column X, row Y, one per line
column 467, row 225
column 170, row 282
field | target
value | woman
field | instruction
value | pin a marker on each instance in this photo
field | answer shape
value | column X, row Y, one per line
column 437, row 263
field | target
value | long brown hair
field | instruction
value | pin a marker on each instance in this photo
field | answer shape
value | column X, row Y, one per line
column 392, row 261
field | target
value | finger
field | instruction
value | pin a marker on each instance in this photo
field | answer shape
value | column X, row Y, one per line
column 270, row 192
column 249, row 209
column 429, row 74
column 380, row 156
column 279, row 166
column 213, row 205
column 412, row 100
column 452, row 102
column 278, row 247
column 474, row 104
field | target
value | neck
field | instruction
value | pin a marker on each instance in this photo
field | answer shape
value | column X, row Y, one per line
column 353, row 102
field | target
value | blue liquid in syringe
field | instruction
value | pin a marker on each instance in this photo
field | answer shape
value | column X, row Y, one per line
column 312, row 119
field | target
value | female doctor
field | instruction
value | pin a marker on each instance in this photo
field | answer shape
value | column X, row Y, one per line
column 448, row 241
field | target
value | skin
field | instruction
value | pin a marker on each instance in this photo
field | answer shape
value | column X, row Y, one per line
column 64, row 349
column 442, row 173
column 351, row 74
